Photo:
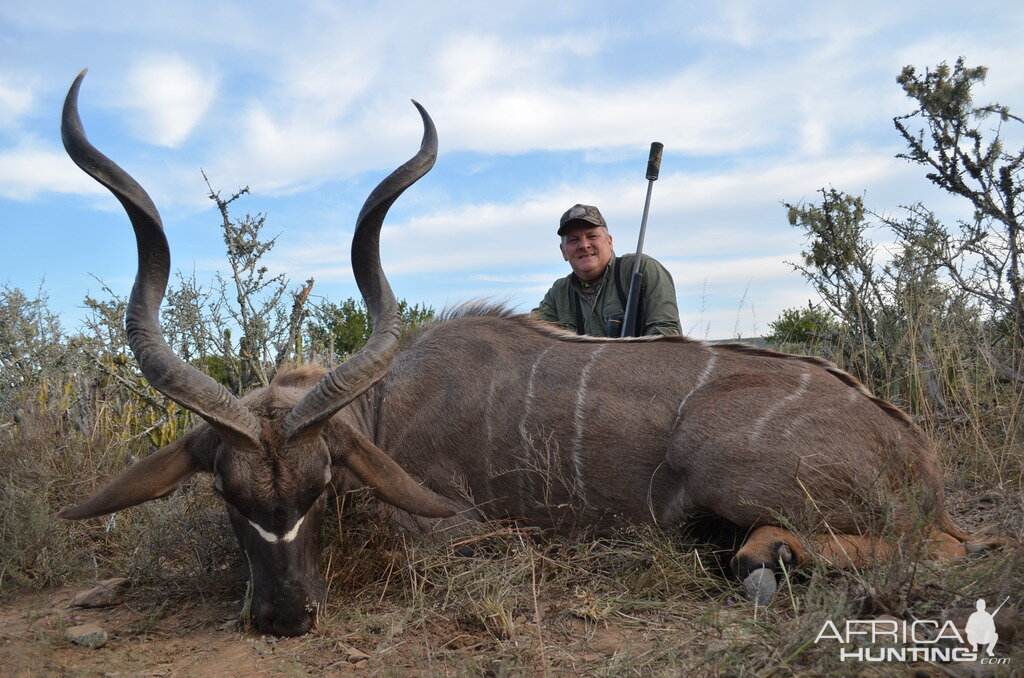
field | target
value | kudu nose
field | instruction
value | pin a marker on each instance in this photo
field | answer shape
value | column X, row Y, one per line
column 289, row 606
column 274, row 621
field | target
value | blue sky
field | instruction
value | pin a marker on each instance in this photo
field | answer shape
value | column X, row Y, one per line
column 538, row 105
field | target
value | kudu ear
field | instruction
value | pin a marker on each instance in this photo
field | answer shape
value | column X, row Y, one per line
column 151, row 477
column 391, row 484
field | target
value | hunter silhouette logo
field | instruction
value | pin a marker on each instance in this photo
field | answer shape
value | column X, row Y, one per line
column 981, row 628
column 889, row 640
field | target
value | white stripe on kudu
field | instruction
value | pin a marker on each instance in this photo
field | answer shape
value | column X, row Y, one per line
column 704, row 375
column 273, row 538
column 577, row 441
column 805, row 377
column 528, row 400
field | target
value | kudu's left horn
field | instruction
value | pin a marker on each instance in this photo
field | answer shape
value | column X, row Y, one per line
column 357, row 374
column 166, row 372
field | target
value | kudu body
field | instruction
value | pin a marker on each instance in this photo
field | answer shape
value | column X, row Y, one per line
column 490, row 415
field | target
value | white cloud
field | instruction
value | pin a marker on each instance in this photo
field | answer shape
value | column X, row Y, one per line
column 731, row 216
column 172, row 96
column 489, row 93
column 473, row 62
column 335, row 104
column 528, row 278
column 692, row 274
column 498, row 93
column 729, row 295
column 751, row 25
column 30, row 169
column 15, row 101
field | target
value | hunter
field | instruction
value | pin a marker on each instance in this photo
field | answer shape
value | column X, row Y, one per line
column 591, row 299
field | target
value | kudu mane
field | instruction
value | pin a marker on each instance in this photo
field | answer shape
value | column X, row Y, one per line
column 299, row 376
column 286, row 389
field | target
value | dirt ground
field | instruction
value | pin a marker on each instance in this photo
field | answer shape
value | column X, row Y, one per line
column 196, row 642
column 204, row 640
column 151, row 637
column 617, row 614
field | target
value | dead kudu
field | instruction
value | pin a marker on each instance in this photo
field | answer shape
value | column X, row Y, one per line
column 491, row 415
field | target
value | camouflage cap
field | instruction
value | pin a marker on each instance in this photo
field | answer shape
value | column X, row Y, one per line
column 585, row 214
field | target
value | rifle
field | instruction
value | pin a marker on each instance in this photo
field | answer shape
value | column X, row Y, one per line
column 630, row 319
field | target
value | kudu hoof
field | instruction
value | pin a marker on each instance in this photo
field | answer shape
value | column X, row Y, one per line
column 760, row 586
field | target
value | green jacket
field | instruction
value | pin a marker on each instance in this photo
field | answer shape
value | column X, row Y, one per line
column 565, row 305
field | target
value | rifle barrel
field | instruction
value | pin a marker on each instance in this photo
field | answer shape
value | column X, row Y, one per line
column 629, row 319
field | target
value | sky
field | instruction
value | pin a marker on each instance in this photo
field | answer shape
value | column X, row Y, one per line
column 538, row 106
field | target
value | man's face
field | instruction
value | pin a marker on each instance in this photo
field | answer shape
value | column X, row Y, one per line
column 588, row 249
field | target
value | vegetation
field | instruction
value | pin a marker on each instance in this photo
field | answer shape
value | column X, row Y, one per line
column 935, row 322
column 934, row 326
column 803, row 326
column 339, row 330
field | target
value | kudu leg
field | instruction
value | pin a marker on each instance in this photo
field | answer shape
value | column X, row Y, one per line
column 767, row 548
column 847, row 550
column 770, row 547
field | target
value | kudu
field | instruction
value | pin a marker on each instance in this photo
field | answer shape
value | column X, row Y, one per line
column 486, row 414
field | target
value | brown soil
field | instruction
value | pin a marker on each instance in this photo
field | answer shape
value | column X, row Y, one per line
column 204, row 640
column 196, row 633
column 193, row 642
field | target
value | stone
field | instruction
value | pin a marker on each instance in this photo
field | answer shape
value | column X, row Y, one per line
column 760, row 586
column 108, row 592
column 88, row 635
column 354, row 656
column 989, row 498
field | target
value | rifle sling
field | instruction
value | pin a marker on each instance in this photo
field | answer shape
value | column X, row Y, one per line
column 620, row 288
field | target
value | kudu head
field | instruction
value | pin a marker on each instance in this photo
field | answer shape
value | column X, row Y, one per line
column 271, row 465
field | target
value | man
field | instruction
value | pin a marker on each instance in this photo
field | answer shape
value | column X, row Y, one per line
column 591, row 300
